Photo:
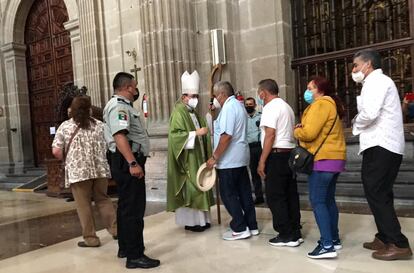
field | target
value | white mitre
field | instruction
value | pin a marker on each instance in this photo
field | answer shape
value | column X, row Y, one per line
column 190, row 83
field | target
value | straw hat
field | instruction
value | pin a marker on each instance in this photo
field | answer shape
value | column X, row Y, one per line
column 206, row 177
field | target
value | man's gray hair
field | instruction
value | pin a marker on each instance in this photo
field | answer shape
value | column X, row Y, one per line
column 369, row 54
column 224, row 87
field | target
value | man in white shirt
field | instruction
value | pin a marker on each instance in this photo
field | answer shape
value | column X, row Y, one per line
column 379, row 124
column 276, row 124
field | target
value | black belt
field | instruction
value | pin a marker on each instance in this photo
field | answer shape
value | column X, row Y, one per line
column 281, row 150
column 255, row 144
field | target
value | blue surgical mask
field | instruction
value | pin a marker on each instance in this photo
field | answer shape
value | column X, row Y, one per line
column 308, row 96
column 260, row 101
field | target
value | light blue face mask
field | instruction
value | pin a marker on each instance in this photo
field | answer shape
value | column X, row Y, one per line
column 308, row 96
column 260, row 101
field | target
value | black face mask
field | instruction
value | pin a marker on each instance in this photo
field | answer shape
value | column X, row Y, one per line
column 250, row 109
column 137, row 95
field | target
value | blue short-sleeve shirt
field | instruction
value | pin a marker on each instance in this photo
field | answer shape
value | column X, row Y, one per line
column 232, row 120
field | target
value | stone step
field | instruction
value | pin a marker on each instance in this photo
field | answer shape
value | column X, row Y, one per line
column 349, row 185
column 16, row 178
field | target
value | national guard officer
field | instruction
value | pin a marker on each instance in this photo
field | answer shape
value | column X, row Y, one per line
column 253, row 138
column 128, row 149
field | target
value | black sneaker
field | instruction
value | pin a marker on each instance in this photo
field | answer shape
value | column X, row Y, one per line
column 297, row 235
column 337, row 244
column 279, row 241
column 322, row 253
column 142, row 262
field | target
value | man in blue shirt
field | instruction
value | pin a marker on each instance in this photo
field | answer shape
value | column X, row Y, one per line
column 231, row 157
column 253, row 138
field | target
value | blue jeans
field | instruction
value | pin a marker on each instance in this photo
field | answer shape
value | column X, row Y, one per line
column 322, row 186
column 236, row 194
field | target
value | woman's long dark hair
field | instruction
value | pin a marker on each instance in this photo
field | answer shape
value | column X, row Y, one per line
column 325, row 87
column 81, row 111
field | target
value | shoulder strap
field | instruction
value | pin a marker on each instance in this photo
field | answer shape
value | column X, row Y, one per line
column 66, row 150
column 336, row 117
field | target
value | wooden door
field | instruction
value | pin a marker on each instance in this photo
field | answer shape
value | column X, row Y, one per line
column 49, row 67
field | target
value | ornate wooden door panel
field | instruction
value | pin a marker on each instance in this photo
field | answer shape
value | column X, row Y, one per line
column 49, row 66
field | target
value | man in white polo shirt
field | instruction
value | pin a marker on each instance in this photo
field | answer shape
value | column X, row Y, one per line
column 276, row 124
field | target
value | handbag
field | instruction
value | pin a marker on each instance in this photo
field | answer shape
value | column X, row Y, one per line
column 62, row 168
column 301, row 160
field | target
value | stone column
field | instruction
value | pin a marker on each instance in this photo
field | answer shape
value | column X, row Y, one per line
column 73, row 27
column 89, row 41
column 17, row 111
column 168, row 39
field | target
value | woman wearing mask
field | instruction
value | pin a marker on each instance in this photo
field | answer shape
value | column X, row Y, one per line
column 321, row 128
column 80, row 142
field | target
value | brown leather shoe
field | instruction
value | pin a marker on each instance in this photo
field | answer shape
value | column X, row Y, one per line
column 392, row 252
column 83, row 244
column 377, row 244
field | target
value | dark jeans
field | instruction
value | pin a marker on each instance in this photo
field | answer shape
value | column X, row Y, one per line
column 236, row 195
column 282, row 196
column 379, row 171
column 131, row 206
column 322, row 186
column 255, row 152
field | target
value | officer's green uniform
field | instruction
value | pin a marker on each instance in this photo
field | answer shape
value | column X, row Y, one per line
column 120, row 116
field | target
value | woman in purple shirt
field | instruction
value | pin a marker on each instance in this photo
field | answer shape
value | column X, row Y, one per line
column 321, row 133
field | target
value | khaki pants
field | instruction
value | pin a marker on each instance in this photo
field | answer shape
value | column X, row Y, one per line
column 83, row 192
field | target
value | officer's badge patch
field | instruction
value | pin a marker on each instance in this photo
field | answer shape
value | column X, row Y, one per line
column 122, row 115
column 123, row 118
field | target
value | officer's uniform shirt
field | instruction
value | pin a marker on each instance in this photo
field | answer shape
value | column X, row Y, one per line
column 253, row 130
column 119, row 115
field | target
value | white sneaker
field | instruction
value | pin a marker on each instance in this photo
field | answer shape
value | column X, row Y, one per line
column 254, row 232
column 230, row 235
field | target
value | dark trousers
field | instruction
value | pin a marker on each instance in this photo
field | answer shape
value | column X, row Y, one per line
column 282, row 196
column 131, row 206
column 379, row 171
column 236, row 194
column 255, row 152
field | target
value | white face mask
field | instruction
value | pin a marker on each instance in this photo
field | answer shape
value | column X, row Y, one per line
column 358, row 76
column 216, row 104
column 193, row 102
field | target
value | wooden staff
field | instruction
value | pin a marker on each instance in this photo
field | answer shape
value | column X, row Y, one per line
column 217, row 69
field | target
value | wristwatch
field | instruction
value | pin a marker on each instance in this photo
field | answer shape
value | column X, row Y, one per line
column 133, row 163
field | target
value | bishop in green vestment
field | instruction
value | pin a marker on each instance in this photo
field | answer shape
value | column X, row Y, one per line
column 189, row 146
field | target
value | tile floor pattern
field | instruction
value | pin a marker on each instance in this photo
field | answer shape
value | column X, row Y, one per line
column 185, row 252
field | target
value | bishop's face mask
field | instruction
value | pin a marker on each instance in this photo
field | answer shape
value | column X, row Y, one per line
column 192, row 102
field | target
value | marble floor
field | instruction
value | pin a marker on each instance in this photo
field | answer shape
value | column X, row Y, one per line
column 184, row 251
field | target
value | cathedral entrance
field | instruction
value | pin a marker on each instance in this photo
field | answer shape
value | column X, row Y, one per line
column 49, row 67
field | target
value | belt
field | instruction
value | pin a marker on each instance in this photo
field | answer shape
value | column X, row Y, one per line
column 281, row 150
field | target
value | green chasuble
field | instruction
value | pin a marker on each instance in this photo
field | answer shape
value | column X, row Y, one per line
column 183, row 164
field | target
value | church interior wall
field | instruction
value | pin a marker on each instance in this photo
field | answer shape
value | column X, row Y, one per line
column 256, row 33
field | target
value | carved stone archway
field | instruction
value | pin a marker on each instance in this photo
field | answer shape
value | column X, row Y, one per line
column 19, row 148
